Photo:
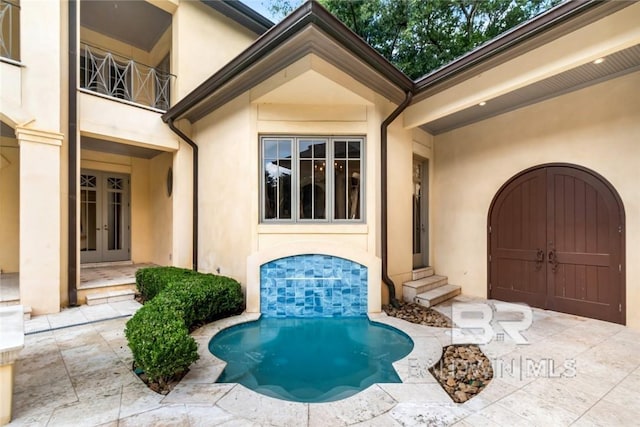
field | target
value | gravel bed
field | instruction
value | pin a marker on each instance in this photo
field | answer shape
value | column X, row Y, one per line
column 416, row 313
column 464, row 370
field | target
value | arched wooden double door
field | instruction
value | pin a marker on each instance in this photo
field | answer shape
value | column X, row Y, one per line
column 556, row 241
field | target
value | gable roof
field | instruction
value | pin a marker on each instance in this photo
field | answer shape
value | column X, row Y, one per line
column 312, row 29
column 308, row 29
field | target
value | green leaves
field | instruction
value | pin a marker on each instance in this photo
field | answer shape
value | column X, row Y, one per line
column 177, row 299
column 152, row 280
column 419, row 36
column 160, row 342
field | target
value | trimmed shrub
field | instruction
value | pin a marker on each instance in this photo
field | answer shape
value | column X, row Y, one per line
column 177, row 300
column 203, row 298
column 160, row 342
column 151, row 281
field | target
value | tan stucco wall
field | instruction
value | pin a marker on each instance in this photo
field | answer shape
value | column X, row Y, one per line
column 596, row 127
column 182, row 202
column 399, row 202
column 231, row 237
column 161, row 209
column 203, row 41
column 228, row 181
column 9, row 204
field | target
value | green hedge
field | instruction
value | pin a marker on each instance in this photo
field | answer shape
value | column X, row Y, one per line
column 177, row 300
column 160, row 342
column 151, row 281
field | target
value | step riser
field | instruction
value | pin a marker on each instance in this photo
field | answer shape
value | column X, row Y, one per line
column 422, row 273
column 109, row 297
column 9, row 303
column 409, row 293
column 430, row 302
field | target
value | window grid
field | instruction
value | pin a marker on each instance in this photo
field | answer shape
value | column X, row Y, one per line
column 356, row 212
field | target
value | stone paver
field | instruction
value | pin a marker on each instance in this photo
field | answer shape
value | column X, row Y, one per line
column 75, row 369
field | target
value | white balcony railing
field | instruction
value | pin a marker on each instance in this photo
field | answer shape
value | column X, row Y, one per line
column 112, row 75
column 10, row 30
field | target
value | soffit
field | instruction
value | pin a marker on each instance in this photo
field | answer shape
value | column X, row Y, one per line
column 103, row 146
column 6, row 130
column 136, row 23
column 615, row 65
column 310, row 41
column 515, row 42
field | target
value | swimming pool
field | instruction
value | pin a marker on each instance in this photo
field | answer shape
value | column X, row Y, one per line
column 310, row 359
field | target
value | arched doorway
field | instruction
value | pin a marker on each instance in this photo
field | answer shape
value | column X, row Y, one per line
column 556, row 241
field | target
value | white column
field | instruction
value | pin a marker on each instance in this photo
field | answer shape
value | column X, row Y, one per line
column 40, row 219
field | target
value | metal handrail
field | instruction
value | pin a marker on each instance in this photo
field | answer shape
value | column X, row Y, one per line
column 9, row 24
column 119, row 77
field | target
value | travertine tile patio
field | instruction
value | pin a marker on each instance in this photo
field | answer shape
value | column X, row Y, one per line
column 75, row 370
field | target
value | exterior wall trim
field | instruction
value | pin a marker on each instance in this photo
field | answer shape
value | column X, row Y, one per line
column 38, row 136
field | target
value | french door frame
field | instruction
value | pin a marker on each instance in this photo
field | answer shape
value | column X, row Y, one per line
column 420, row 226
column 105, row 217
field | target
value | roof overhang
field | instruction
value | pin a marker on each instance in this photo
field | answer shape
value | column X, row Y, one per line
column 310, row 30
column 543, row 58
column 242, row 14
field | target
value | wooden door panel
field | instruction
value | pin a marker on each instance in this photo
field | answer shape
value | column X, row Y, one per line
column 577, row 220
column 582, row 230
column 518, row 224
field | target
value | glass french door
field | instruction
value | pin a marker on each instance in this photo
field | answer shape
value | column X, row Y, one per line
column 420, row 214
column 104, row 217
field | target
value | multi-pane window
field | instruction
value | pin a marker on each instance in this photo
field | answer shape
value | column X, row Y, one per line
column 315, row 179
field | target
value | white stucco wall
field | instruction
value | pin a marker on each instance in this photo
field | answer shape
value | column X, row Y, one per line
column 596, row 127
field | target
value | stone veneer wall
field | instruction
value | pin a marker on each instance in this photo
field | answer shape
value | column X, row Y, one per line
column 313, row 286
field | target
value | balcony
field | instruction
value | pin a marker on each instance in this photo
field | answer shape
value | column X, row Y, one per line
column 10, row 30
column 121, row 78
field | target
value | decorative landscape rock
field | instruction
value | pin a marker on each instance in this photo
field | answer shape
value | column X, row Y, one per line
column 464, row 370
column 416, row 313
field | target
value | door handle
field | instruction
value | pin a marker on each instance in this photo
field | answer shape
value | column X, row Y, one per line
column 553, row 260
column 539, row 259
column 106, row 228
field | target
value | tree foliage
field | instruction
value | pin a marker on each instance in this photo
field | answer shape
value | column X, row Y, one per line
column 419, row 36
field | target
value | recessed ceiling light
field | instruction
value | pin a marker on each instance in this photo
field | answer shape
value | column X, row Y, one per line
column 483, row 103
column 598, row 61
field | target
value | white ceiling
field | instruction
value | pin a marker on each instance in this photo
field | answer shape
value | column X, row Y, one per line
column 134, row 22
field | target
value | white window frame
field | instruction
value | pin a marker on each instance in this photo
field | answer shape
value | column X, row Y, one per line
column 330, row 179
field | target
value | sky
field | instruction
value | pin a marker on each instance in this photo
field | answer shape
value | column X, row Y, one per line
column 259, row 6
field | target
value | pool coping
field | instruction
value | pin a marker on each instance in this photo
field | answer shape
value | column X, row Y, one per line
column 428, row 343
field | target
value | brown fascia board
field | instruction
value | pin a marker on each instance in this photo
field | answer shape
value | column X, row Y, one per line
column 310, row 13
column 491, row 53
column 242, row 14
column 516, row 41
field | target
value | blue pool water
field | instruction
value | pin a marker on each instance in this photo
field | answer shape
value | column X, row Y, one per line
column 310, row 359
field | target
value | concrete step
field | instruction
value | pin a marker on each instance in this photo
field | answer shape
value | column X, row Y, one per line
column 437, row 295
column 26, row 309
column 411, row 289
column 110, row 296
column 7, row 303
column 421, row 273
